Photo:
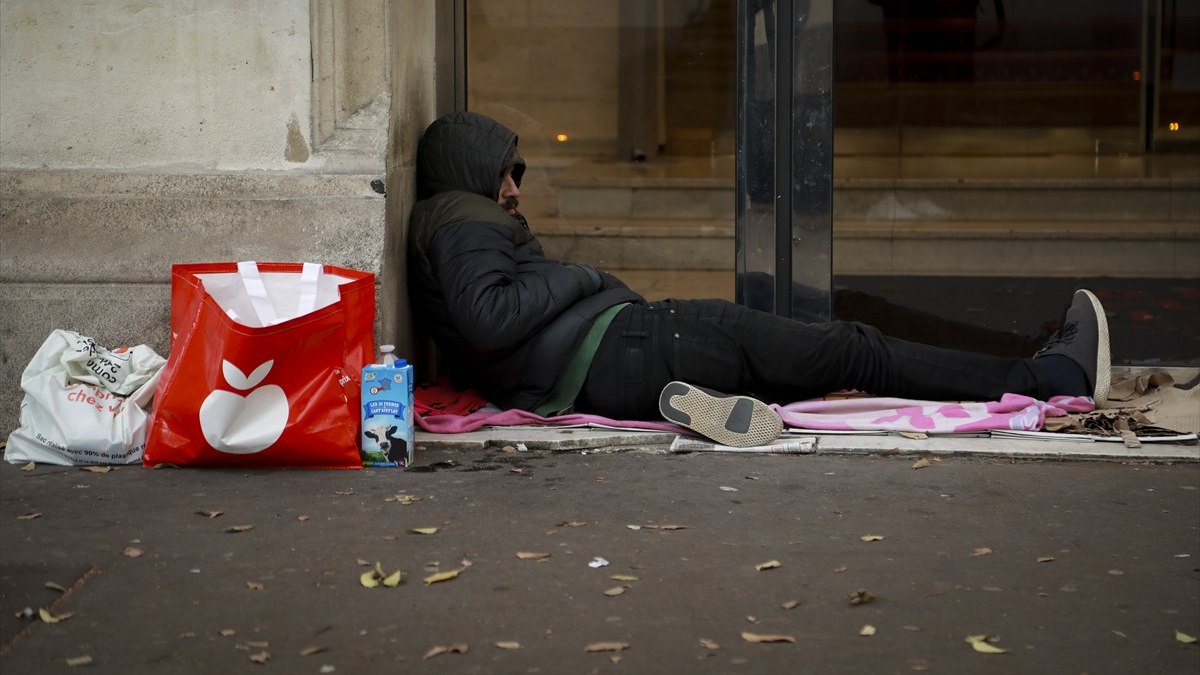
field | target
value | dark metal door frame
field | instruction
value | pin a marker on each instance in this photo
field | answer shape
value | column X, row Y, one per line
column 784, row 157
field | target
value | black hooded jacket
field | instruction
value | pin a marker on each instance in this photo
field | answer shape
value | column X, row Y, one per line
column 505, row 318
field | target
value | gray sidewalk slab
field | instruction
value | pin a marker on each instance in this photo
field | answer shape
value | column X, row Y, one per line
column 1073, row 567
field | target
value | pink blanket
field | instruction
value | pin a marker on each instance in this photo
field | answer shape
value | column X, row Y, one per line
column 1012, row 411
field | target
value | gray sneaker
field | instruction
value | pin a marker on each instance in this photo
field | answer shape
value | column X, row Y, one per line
column 738, row 421
column 1084, row 339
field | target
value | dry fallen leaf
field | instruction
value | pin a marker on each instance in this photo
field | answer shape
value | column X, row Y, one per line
column 309, row 651
column 983, row 550
column 47, row 617
column 239, row 528
column 839, row 569
column 258, row 644
column 443, row 576
column 261, row 657
column 1045, row 559
column 209, row 514
column 508, row 644
column 302, row 519
column 791, row 604
column 96, row 469
column 532, row 555
column 55, row 587
column 29, row 467
column 30, row 516
column 921, row 463
column 79, row 660
column 769, row 565
column 226, row 632
column 132, row 552
column 344, row 493
column 861, row 597
column 980, row 644
column 363, row 563
column 606, row 647
column 867, row 630
column 756, row 637
column 872, row 537
column 623, row 577
column 572, row 523
column 255, row 585
column 1184, row 637
column 915, row 435
column 422, row 530
column 459, row 648
column 404, row 500
column 615, row 591
column 709, row 644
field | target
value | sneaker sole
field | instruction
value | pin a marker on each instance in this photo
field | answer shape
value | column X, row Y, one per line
column 738, row 421
column 1103, row 358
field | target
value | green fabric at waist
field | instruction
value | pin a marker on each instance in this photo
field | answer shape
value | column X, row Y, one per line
column 562, row 398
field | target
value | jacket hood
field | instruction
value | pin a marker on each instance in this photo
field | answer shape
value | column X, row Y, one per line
column 466, row 151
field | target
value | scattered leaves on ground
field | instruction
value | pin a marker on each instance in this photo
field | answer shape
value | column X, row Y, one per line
column 665, row 527
column 1184, row 637
column 921, row 464
column 508, row 644
column 572, row 523
column 615, row 591
column 239, row 528
column 606, row 647
column 769, row 565
column 709, row 644
column 209, row 514
column 54, row 587
column 457, row 648
column 861, row 597
column 980, row 643
column 309, row 651
column 132, row 552
column 532, row 555
column 758, row 637
column 422, row 530
column 839, row 569
column 255, row 585
column 1045, row 558
column 30, row 516
column 79, row 660
column 344, row 493
column 791, row 604
column 226, row 632
column 872, row 537
column 96, row 469
column 261, row 657
column 982, row 550
column 29, row 467
column 867, row 630
column 404, row 500
column 303, row 519
column 623, row 577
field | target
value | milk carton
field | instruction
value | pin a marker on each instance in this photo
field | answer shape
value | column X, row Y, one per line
column 387, row 423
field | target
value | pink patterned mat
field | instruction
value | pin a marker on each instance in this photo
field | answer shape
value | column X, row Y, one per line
column 1011, row 412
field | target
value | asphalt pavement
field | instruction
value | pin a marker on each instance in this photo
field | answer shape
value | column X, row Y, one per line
column 520, row 562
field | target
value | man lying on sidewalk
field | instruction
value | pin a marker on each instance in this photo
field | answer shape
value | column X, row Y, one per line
column 546, row 336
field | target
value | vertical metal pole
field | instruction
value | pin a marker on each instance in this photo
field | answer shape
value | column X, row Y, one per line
column 784, row 172
column 450, row 17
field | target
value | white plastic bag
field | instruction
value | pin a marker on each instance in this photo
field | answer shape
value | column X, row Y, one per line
column 75, row 409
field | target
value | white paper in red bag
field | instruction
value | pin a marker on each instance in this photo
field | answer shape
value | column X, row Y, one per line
column 84, row 404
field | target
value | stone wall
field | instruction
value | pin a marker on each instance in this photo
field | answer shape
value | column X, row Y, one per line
column 134, row 136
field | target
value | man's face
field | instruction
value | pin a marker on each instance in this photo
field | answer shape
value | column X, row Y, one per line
column 509, row 192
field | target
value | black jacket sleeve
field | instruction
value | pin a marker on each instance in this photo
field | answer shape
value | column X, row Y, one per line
column 497, row 292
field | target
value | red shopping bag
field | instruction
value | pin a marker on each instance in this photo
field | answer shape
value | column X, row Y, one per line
column 265, row 366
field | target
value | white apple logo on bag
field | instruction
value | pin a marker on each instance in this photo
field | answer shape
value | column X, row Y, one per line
column 243, row 425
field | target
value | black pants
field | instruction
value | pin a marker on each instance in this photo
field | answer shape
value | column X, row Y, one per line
column 733, row 349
